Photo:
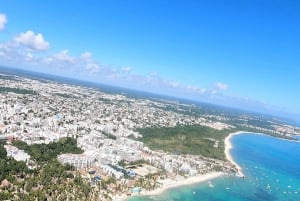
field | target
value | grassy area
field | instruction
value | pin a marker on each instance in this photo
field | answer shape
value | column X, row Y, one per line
column 196, row 140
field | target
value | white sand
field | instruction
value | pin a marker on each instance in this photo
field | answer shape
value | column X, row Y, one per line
column 120, row 197
column 198, row 178
column 229, row 146
column 183, row 182
column 187, row 181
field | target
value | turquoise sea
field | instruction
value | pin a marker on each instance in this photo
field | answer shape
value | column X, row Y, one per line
column 271, row 166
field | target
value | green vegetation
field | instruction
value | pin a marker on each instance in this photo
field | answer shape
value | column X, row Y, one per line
column 196, row 140
column 45, row 152
column 254, row 130
column 7, row 77
column 50, row 180
column 10, row 166
column 138, row 162
column 17, row 91
column 109, row 136
column 65, row 95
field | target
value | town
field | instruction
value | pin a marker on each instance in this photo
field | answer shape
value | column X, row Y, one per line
column 105, row 128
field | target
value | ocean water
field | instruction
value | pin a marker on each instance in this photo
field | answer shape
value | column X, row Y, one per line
column 271, row 166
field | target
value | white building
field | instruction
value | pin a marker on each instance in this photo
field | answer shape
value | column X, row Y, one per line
column 85, row 160
column 17, row 154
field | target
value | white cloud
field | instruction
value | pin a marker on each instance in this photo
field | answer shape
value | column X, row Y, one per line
column 84, row 66
column 64, row 56
column 191, row 88
column 221, row 86
column 92, row 67
column 126, row 69
column 172, row 84
column 32, row 41
column 24, row 50
column 195, row 89
column 28, row 56
column 86, row 55
column 153, row 74
column 3, row 21
column 47, row 60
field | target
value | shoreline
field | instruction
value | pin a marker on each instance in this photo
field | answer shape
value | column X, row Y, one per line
column 184, row 182
column 228, row 147
column 199, row 178
column 175, row 184
column 264, row 134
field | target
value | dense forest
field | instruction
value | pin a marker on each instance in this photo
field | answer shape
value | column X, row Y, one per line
column 45, row 152
column 197, row 140
column 49, row 181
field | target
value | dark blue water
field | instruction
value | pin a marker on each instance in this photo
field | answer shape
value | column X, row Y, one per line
column 271, row 166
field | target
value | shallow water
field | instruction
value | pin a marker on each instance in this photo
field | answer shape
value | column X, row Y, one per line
column 271, row 166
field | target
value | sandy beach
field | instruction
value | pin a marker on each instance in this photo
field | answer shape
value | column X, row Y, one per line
column 198, row 178
column 229, row 146
column 187, row 181
column 195, row 179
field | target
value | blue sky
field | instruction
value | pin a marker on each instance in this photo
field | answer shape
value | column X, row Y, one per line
column 239, row 53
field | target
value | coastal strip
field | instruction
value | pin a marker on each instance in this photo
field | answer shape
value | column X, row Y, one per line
column 228, row 147
column 184, row 182
column 194, row 179
column 175, row 184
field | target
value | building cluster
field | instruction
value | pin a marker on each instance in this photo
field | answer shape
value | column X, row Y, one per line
column 104, row 124
column 19, row 155
column 286, row 129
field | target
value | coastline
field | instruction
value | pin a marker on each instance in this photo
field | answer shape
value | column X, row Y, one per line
column 228, row 147
column 198, row 178
column 183, row 182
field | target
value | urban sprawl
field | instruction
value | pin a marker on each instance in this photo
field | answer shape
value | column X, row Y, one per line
column 105, row 127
